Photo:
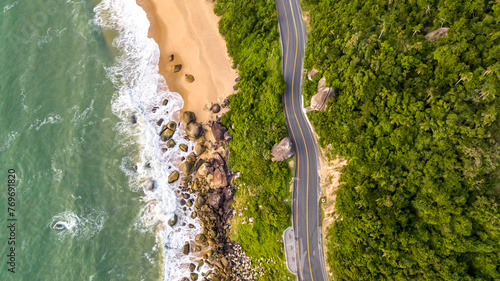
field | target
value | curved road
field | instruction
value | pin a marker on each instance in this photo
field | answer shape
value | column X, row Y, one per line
column 305, row 208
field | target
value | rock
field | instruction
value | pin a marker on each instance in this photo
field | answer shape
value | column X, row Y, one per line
column 176, row 68
column 191, row 225
column 198, row 164
column 188, row 117
column 174, row 176
column 173, row 221
column 194, row 130
column 194, row 276
column 171, row 57
column 224, row 261
column 134, row 118
column 311, row 74
column 186, row 249
column 208, row 106
column 165, row 102
column 185, row 279
column 200, row 238
column 220, row 178
column 170, row 143
column 199, row 149
column 237, row 79
column 200, row 264
column 185, row 195
column 189, row 78
column 159, row 122
column 216, row 108
column 172, row 125
column 187, row 168
column 191, row 158
column 194, row 215
column 225, row 103
column 437, row 34
column 197, row 249
column 166, row 135
column 215, row 200
column 282, row 150
column 203, row 170
column 186, row 180
column 192, row 267
column 200, row 201
column 227, row 136
column 189, row 203
column 218, row 131
column 318, row 101
column 183, row 147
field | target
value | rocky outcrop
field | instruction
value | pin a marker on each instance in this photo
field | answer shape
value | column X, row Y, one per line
column 318, row 101
column 311, row 74
column 283, row 150
column 437, row 34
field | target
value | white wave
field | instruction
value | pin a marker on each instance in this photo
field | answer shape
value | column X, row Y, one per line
column 50, row 119
column 140, row 91
column 12, row 136
column 8, row 7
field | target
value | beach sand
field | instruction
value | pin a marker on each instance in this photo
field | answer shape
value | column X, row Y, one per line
column 188, row 29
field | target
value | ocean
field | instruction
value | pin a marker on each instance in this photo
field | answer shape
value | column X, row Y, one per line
column 80, row 101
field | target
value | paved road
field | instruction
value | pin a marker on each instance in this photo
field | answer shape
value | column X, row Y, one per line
column 305, row 207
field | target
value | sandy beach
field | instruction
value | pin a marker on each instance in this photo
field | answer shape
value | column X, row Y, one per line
column 188, row 30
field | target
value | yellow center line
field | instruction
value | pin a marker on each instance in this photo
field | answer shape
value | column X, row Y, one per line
column 295, row 141
column 303, row 138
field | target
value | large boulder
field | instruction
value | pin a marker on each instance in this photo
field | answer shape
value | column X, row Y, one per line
column 216, row 108
column 282, row 150
column 218, row 131
column 318, row 101
column 166, row 134
column 437, row 34
column 220, row 178
column 188, row 117
column 194, row 130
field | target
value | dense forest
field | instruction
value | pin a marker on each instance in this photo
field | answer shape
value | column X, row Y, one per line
column 257, row 120
column 417, row 120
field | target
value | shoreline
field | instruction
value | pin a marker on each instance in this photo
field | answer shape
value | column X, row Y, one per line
column 188, row 30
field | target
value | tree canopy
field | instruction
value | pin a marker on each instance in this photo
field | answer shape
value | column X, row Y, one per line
column 417, row 120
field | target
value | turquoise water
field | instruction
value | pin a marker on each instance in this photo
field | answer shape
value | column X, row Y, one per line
column 64, row 129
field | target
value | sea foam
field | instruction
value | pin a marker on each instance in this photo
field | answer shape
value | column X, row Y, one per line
column 140, row 92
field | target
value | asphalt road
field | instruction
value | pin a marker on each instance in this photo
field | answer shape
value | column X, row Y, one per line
column 305, row 208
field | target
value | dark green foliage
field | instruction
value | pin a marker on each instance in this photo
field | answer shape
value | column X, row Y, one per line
column 418, row 122
column 256, row 112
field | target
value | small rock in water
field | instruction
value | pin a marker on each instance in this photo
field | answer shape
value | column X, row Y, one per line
column 159, row 122
column 59, row 226
column 134, row 118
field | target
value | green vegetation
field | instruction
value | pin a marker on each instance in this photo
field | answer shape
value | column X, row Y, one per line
column 256, row 112
column 418, row 122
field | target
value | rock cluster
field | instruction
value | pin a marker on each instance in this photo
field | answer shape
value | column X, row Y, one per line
column 205, row 192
